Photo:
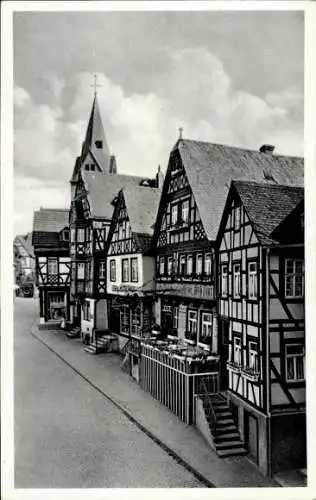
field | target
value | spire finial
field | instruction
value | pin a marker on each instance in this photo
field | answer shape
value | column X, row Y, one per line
column 95, row 85
column 180, row 132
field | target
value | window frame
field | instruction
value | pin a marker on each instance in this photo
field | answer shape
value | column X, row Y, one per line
column 134, row 271
column 170, row 261
column 52, row 261
column 81, row 266
column 124, row 312
column 224, row 275
column 294, row 356
column 236, row 274
column 81, row 235
column 252, row 277
column 237, row 338
column 162, row 265
column 112, row 270
column 125, row 270
column 102, row 270
column 189, row 257
column 192, row 321
column 253, row 354
column 199, row 258
column 208, row 258
column 294, row 276
column 209, row 323
column 182, row 262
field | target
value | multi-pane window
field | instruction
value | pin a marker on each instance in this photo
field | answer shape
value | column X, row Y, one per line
column 161, row 266
column 253, row 355
column 112, row 270
column 237, row 351
column 185, row 211
column 224, row 280
column 252, row 280
column 236, row 280
column 52, row 267
column 134, row 269
column 182, row 265
column 170, row 266
column 125, row 273
column 199, row 264
column 208, row 264
column 294, row 355
column 174, row 214
column 136, row 320
column 294, row 278
column 124, row 319
column 102, row 270
column 80, row 235
column 73, row 234
column 192, row 321
column 80, row 271
column 206, row 326
column 189, row 265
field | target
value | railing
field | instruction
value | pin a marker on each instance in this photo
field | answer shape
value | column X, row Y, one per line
column 204, row 392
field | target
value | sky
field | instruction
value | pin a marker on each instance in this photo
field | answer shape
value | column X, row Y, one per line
column 235, row 78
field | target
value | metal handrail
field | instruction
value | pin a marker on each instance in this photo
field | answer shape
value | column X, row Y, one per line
column 209, row 406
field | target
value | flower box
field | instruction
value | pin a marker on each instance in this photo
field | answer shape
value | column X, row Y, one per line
column 250, row 374
column 233, row 367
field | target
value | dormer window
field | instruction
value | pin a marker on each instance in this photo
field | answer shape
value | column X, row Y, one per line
column 90, row 167
column 99, row 144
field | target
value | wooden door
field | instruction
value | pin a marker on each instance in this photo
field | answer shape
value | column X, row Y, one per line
column 223, row 337
column 251, row 436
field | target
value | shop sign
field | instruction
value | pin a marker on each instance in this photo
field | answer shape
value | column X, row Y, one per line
column 190, row 290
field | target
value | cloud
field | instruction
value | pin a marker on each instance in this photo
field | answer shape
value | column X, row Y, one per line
column 141, row 129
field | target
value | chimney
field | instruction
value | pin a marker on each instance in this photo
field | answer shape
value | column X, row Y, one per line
column 112, row 167
column 267, row 148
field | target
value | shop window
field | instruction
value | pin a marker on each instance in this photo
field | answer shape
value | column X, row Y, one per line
column 294, row 278
column 252, row 280
column 236, row 281
column 136, row 320
column 295, row 359
column 52, row 266
column 124, row 319
column 134, row 269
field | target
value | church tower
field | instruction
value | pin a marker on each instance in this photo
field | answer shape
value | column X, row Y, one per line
column 95, row 153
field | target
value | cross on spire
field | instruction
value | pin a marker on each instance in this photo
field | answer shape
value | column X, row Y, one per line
column 180, row 132
column 95, row 85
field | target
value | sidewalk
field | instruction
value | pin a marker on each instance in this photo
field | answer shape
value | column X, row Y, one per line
column 184, row 441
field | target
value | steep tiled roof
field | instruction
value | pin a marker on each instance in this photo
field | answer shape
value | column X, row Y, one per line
column 210, row 168
column 142, row 205
column 267, row 206
column 102, row 189
column 47, row 224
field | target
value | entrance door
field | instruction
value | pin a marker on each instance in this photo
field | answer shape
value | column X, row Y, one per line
column 223, row 336
column 251, row 435
column 55, row 306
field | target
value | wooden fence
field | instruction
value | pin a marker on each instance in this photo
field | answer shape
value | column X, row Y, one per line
column 174, row 380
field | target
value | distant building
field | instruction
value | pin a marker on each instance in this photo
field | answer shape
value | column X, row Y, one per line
column 51, row 247
column 23, row 258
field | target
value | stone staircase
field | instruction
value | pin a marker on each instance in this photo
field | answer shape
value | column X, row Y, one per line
column 225, row 435
column 102, row 345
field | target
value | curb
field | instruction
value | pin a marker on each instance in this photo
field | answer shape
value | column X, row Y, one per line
column 128, row 414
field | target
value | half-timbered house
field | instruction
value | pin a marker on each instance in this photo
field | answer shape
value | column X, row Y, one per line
column 24, row 259
column 193, row 198
column 261, row 313
column 50, row 239
column 94, row 209
column 130, row 267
